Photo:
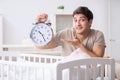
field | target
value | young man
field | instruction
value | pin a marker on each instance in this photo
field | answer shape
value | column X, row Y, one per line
column 80, row 36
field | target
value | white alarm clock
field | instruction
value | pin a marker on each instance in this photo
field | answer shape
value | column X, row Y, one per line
column 41, row 34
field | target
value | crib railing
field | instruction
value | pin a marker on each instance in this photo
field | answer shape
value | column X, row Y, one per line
column 17, row 56
column 87, row 69
column 21, row 66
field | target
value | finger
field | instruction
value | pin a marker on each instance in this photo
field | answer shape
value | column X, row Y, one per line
column 64, row 40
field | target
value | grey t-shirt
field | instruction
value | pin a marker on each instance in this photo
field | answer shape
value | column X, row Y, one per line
column 94, row 38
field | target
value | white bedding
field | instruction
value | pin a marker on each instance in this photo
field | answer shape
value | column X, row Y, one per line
column 31, row 73
column 77, row 54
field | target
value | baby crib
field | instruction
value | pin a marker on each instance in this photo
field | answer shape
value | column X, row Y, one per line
column 21, row 66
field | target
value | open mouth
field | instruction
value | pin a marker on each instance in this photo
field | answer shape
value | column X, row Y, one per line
column 79, row 27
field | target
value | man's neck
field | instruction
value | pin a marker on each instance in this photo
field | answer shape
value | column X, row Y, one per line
column 83, row 36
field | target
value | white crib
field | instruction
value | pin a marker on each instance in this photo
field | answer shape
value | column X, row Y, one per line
column 21, row 66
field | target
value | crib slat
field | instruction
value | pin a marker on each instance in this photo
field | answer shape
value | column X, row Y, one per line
column 20, row 69
column 102, row 72
column 79, row 75
column 2, row 70
column 59, row 73
column 71, row 72
column 111, row 70
column 87, row 72
column 95, row 71
column 8, row 72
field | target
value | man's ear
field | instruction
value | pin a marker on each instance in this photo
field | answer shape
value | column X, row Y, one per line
column 90, row 22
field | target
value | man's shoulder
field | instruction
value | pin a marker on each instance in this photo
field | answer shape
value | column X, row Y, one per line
column 96, row 32
column 67, row 30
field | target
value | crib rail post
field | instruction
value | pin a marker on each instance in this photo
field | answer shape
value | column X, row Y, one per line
column 112, row 69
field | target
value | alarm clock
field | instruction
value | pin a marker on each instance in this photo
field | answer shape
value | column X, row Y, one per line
column 41, row 34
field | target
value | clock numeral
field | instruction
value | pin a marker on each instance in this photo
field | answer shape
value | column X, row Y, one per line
column 41, row 26
column 38, row 27
column 40, row 41
column 47, row 38
column 34, row 37
column 45, row 27
column 48, row 30
column 48, row 34
column 33, row 34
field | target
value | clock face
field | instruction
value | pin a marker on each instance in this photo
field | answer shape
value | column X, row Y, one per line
column 41, row 34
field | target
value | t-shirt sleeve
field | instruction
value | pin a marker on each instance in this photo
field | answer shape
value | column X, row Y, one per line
column 100, row 40
column 63, row 34
column 59, row 35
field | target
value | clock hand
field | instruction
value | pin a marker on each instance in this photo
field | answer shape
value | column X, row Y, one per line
column 42, row 35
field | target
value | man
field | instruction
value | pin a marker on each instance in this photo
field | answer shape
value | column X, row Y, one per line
column 80, row 36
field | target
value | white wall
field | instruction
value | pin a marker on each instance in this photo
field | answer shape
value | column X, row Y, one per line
column 20, row 14
column 1, row 32
column 114, row 29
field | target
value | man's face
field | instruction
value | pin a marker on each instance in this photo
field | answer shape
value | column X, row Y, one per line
column 81, row 23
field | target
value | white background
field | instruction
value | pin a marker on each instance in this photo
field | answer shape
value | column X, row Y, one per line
column 18, row 16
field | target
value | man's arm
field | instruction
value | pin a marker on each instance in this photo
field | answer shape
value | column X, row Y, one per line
column 41, row 18
column 98, row 50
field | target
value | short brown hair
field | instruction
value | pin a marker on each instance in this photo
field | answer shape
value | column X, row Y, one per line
column 85, row 11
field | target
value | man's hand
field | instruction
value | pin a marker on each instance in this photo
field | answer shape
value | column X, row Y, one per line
column 42, row 17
